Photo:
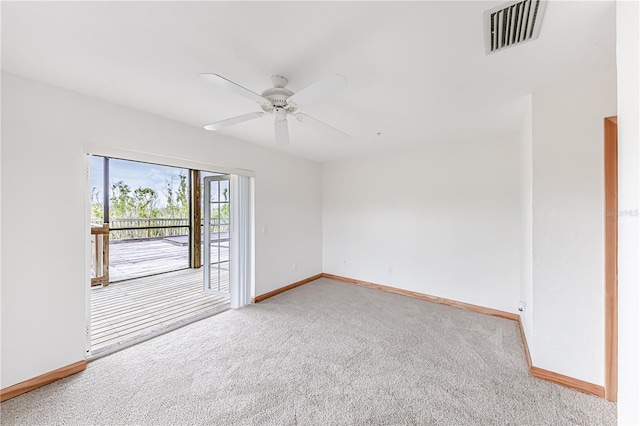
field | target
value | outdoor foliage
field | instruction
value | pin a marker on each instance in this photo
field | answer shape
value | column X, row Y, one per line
column 224, row 210
column 97, row 211
column 125, row 202
column 128, row 203
column 178, row 206
column 143, row 207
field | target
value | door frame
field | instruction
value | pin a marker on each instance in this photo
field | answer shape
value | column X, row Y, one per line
column 611, row 257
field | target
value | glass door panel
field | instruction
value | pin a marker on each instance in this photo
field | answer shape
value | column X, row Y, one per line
column 216, row 234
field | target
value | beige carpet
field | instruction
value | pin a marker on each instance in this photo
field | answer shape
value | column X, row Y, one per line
column 326, row 353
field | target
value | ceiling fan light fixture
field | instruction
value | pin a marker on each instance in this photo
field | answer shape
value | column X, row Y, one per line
column 280, row 114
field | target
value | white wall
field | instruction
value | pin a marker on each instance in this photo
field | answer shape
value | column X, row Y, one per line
column 568, row 225
column 43, row 197
column 526, row 219
column 440, row 220
column 628, row 52
column 492, row 222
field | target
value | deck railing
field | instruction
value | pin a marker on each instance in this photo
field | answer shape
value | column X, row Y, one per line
column 137, row 228
column 100, row 255
column 146, row 228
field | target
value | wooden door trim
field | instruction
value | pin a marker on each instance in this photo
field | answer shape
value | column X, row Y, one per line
column 611, row 256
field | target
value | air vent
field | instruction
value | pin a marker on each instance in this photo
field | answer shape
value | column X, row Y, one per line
column 512, row 23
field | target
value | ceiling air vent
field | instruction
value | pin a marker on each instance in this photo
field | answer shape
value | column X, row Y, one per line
column 512, row 23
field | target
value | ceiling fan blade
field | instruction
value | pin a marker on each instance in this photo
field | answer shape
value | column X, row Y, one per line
column 282, row 132
column 234, row 120
column 322, row 126
column 222, row 82
column 320, row 88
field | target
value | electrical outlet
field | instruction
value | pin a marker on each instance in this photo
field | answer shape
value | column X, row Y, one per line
column 295, row 266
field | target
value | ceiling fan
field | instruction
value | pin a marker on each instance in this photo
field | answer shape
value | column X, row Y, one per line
column 281, row 102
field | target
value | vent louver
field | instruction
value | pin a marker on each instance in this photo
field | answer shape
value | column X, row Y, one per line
column 512, row 23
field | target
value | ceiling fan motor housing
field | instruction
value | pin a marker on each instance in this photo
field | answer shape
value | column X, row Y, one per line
column 278, row 97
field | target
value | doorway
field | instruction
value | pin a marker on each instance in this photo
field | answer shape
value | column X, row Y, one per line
column 127, row 311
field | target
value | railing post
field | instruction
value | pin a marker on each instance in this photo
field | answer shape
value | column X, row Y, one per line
column 101, row 251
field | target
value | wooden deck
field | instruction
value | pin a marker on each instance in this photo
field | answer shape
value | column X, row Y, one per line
column 134, row 309
column 138, row 258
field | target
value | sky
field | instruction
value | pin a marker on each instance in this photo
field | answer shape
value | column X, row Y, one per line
column 136, row 174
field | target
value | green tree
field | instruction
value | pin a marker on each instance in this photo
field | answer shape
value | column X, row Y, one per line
column 97, row 210
column 127, row 203
column 177, row 198
column 121, row 200
column 144, row 202
column 224, row 210
column 171, row 208
column 183, row 196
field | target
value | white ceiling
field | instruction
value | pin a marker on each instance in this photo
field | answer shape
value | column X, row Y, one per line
column 417, row 71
